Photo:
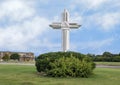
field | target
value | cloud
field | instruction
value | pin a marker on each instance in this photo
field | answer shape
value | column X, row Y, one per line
column 93, row 45
column 94, row 4
column 15, row 10
column 20, row 27
column 109, row 20
column 99, row 14
column 21, row 35
column 87, row 4
column 76, row 18
column 106, row 21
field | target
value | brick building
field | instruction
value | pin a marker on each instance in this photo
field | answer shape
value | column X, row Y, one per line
column 24, row 56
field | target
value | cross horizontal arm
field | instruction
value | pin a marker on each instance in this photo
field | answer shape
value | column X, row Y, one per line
column 74, row 25
column 56, row 25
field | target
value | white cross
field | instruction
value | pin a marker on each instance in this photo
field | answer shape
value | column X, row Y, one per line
column 65, row 26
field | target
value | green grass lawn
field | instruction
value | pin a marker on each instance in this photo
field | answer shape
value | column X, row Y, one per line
column 108, row 63
column 27, row 75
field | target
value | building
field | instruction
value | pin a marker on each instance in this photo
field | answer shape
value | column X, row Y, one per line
column 24, row 56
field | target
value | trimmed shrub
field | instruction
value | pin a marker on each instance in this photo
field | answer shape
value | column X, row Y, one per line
column 70, row 66
column 65, row 64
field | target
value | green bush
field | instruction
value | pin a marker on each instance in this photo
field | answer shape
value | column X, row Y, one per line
column 116, row 59
column 64, row 64
column 70, row 66
column 15, row 56
column 44, row 59
column 6, row 57
column 107, row 57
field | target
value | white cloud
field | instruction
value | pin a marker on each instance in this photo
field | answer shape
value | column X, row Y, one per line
column 109, row 20
column 76, row 18
column 15, row 10
column 105, row 21
column 21, row 35
column 89, row 4
column 94, row 45
column 93, row 3
column 102, row 14
column 24, row 26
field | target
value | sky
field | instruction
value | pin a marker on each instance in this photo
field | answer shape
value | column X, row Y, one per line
column 24, row 25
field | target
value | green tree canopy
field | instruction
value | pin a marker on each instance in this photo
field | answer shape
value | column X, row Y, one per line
column 15, row 56
column 6, row 57
column 107, row 54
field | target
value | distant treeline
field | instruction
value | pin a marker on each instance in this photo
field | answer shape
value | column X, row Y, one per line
column 106, row 57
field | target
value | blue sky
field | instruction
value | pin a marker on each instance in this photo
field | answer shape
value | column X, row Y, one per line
column 24, row 25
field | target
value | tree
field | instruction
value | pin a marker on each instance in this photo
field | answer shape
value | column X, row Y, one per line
column 6, row 57
column 107, row 54
column 91, row 55
column 15, row 56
